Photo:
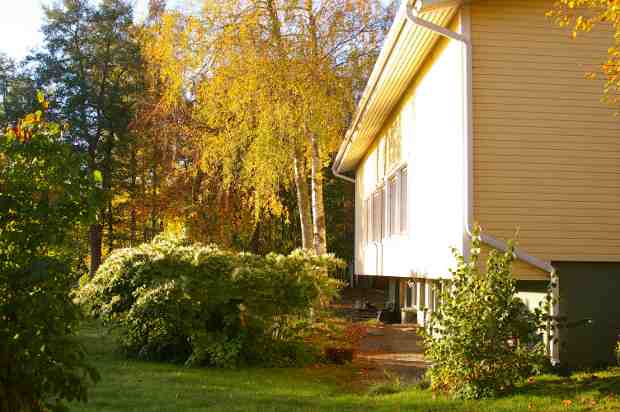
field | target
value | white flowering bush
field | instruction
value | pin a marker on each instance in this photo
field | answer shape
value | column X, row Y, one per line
column 177, row 301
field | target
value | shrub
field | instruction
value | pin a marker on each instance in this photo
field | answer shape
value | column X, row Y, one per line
column 202, row 305
column 482, row 340
column 44, row 197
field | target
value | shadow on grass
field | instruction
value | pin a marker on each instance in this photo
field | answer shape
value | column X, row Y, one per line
column 600, row 384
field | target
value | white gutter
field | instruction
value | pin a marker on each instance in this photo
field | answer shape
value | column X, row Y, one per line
column 468, row 138
column 340, row 175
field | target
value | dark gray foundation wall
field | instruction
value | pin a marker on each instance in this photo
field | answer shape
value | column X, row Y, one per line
column 589, row 300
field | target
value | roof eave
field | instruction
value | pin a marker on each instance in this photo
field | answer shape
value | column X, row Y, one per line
column 427, row 9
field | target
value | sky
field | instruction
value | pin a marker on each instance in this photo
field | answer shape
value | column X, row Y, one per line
column 20, row 23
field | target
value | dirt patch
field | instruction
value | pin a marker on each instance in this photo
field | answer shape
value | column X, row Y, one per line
column 396, row 349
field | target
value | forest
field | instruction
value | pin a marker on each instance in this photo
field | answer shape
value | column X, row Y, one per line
column 217, row 122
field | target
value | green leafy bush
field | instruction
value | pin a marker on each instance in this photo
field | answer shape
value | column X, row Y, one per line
column 482, row 340
column 202, row 305
column 44, row 197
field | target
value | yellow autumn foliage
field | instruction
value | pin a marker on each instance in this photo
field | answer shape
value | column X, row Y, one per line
column 261, row 78
column 583, row 16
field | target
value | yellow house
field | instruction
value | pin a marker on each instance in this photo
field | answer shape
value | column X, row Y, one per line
column 479, row 112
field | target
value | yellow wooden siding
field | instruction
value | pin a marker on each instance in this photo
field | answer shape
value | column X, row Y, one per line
column 521, row 270
column 546, row 150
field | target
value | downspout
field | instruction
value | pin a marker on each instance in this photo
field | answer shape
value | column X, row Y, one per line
column 468, row 138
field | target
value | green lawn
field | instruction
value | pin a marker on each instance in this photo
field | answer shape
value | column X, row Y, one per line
column 144, row 386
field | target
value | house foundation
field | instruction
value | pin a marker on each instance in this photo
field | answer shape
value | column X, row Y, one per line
column 589, row 295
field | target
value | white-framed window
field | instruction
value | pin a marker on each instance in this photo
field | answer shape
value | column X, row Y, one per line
column 397, row 203
column 367, row 218
column 393, row 143
column 385, row 210
column 378, row 215
column 393, row 200
column 403, row 201
column 388, row 150
column 381, row 160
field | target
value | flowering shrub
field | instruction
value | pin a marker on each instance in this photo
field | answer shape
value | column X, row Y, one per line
column 482, row 340
column 202, row 305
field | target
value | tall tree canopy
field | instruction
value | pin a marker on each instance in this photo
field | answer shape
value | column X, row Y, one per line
column 90, row 64
column 272, row 85
column 219, row 121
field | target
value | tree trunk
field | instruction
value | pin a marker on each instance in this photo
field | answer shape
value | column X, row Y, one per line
column 318, row 205
column 95, row 248
column 303, row 199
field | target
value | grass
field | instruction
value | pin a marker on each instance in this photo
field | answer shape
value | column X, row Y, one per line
column 128, row 385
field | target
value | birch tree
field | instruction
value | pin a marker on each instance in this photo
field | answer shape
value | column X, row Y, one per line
column 272, row 93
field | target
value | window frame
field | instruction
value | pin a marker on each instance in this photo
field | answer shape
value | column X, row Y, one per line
column 393, row 207
column 400, row 197
column 403, row 199
column 377, row 226
column 389, row 164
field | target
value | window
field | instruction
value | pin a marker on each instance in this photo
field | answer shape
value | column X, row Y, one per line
column 385, row 210
column 367, row 221
column 393, row 141
column 381, row 160
column 397, row 203
column 393, row 198
column 403, row 201
column 388, row 151
column 378, row 214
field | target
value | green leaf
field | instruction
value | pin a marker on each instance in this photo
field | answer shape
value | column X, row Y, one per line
column 40, row 97
column 98, row 176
